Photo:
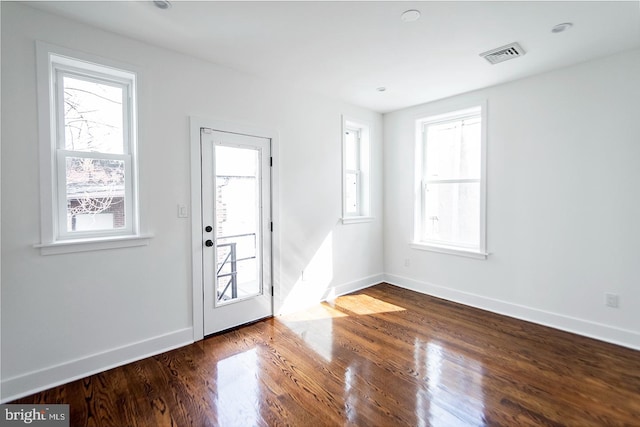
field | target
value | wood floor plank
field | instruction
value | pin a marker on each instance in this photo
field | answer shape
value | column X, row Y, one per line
column 378, row 357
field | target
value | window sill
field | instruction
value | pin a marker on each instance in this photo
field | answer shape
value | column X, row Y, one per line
column 448, row 250
column 84, row 245
column 356, row 219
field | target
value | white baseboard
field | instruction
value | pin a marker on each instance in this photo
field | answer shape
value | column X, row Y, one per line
column 611, row 334
column 33, row 382
column 331, row 292
column 356, row 285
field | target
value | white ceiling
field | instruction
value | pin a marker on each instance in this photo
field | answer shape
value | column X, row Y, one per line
column 348, row 49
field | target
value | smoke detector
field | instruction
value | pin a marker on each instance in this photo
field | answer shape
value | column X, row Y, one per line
column 411, row 15
column 162, row 4
column 561, row 27
column 503, row 53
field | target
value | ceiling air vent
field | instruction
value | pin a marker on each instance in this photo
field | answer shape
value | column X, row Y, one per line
column 503, row 53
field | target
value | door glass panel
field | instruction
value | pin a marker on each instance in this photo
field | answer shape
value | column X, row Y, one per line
column 238, row 255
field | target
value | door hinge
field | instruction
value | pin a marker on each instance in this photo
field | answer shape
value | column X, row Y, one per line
column 271, row 226
column 271, row 161
column 271, row 290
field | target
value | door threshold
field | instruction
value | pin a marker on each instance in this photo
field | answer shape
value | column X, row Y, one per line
column 238, row 327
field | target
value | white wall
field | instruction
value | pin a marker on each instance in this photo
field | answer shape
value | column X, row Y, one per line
column 563, row 206
column 64, row 316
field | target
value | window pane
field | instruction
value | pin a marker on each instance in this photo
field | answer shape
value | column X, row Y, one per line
column 351, row 190
column 238, row 216
column 93, row 116
column 470, row 149
column 351, row 150
column 452, row 213
column 453, row 150
column 95, row 194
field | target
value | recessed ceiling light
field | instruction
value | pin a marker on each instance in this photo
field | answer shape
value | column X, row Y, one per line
column 410, row 15
column 381, row 89
column 162, row 4
column 561, row 27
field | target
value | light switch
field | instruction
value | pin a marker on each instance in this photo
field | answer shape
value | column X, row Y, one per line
column 182, row 211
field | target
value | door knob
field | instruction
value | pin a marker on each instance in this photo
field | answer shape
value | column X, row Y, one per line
column 208, row 243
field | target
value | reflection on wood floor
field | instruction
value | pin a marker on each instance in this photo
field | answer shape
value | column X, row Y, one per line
column 383, row 356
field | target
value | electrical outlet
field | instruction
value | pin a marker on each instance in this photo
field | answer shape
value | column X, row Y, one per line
column 612, row 300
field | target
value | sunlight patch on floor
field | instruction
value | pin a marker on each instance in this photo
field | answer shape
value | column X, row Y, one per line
column 364, row 305
column 317, row 312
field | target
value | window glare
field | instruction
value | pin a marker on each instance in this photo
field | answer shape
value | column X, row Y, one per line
column 453, row 150
column 231, row 161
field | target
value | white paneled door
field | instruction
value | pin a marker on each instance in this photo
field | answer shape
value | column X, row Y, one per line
column 236, row 229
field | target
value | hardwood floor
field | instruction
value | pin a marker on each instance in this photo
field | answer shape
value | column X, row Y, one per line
column 383, row 356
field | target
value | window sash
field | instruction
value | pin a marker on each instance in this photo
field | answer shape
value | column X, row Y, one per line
column 356, row 148
column 358, row 190
column 61, row 166
column 356, row 153
column 59, row 72
column 458, row 124
column 451, row 181
column 429, row 238
column 456, row 121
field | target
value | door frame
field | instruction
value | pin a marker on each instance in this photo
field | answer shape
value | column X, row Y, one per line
column 196, row 123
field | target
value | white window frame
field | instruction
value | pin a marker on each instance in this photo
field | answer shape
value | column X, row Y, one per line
column 363, row 171
column 53, row 63
column 443, row 116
